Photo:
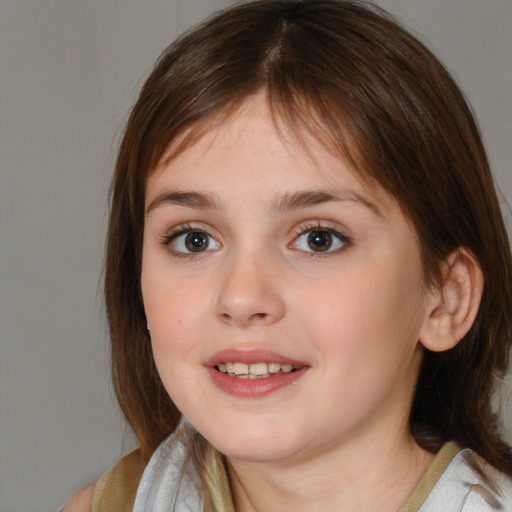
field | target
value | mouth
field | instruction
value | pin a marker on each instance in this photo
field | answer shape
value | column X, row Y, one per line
column 259, row 370
column 253, row 373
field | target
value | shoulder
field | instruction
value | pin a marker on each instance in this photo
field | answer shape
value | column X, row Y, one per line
column 114, row 491
column 469, row 484
column 82, row 500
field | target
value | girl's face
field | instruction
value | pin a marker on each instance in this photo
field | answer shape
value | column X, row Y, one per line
column 285, row 299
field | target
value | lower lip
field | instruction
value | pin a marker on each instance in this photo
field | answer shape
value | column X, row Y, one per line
column 254, row 388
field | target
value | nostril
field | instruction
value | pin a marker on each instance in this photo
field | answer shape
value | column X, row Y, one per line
column 253, row 318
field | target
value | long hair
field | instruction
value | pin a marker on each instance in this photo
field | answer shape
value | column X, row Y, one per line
column 348, row 74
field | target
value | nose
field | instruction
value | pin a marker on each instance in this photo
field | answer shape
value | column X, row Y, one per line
column 249, row 293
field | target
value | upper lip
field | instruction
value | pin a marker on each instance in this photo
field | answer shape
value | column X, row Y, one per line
column 250, row 356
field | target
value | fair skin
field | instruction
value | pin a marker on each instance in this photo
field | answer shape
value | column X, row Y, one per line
column 82, row 501
column 351, row 317
column 257, row 250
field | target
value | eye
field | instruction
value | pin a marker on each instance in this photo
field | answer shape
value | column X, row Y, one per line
column 190, row 241
column 321, row 240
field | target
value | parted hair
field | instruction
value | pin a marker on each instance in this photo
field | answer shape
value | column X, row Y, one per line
column 347, row 73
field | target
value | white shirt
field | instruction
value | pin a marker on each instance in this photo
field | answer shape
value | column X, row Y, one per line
column 169, row 481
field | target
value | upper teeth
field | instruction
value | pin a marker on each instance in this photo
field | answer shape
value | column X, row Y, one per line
column 254, row 369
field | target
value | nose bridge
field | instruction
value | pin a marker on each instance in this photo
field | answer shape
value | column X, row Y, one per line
column 249, row 290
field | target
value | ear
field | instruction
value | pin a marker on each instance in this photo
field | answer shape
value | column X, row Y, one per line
column 452, row 308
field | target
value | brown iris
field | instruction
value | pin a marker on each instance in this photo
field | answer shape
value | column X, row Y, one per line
column 196, row 241
column 320, row 241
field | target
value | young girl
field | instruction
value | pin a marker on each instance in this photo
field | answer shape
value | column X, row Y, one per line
column 308, row 277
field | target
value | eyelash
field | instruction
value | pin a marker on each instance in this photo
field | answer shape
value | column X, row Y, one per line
column 184, row 229
column 300, row 231
column 306, row 228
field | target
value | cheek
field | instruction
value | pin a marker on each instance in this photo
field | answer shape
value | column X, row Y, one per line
column 372, row 314
column 170, row 302
column 173, row 320
column 173, row 337
column 171, row 311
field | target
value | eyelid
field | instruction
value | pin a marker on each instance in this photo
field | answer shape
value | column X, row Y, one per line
column 184, row 229
column 317, row 225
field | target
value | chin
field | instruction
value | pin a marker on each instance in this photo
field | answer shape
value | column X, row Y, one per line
column 262, row 435
column 257, row 454
column 259, row 446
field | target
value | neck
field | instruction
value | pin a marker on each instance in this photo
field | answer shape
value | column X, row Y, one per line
column 350, row 477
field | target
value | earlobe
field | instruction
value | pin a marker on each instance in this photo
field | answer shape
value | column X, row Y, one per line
column 453, row 306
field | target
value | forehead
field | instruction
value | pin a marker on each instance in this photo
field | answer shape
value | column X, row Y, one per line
column 250, row 147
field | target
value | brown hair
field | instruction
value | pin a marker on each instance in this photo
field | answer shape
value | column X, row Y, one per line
column 346, row 72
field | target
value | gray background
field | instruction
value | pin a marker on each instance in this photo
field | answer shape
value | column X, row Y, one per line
column 70, row 71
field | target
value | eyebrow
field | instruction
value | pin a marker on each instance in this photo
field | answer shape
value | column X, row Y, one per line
column 287, row 202
column 305, row 199
column 190, row 199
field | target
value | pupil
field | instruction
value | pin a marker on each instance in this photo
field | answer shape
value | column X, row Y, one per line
column 319, row 241
column 196, row 242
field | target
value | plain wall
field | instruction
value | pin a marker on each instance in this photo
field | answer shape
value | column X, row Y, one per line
column 70, row 71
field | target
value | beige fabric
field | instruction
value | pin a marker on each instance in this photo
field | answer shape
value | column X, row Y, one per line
column 430, row 478
column 116, row 490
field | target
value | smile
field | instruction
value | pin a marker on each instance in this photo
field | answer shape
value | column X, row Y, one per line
column 254, row 373
column 255, row 370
